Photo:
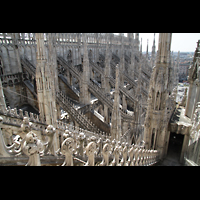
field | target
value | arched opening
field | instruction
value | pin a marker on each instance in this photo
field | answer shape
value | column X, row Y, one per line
column 69, row 56
column 10, row 83
column 194, row 76
column 90, row 54
column 100, row 110
column 35, row 86
column 161, row 101
column 153, row 138
column 28, row 108
column 157, row 106
column 133, row 141
column 174, row 149
column 1, row 66
column 6, row 100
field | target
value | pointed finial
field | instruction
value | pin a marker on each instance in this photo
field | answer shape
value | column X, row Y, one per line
column 141, row 46
column 137, row 36
column 147, row 48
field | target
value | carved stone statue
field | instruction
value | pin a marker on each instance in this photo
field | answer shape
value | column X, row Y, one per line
column 50, row 131
column 80, row 147
column 20, row 138
column 67, row 149
column 25, row 127
column 32, row 147
column 90, row 151
column 184, row 100
column 99, row 146
column 131, row 154
column 124, row 154
column 116, row 153
column 105, row 153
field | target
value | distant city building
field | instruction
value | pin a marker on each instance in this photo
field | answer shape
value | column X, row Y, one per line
column 185, row 59
column 183, row 71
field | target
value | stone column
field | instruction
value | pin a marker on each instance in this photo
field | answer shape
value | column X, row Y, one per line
column 190, row 100
column 73, row 55
column 124, row 103
column 137, row 42
column 7, row 63
column 197, row 96
column 3, row 151
column 46, row 100
column 157, row 117
column 107, row 68
column 132, row 65
column 52, row 59
column 116, row 115
column 122, row 64
column 84, row 93
column 23, row 38
column 2, row 99
column 15, row 37
column 184, row 147
column 58, row 111
column 153, row 53
column 97, row 47
column 106, row 114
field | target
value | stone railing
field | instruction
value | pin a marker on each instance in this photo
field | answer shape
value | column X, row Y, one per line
column 99, row 93
column 75, row 72
column 78, row 116
column 70, row 86
column 77, row 147
column 27, row 38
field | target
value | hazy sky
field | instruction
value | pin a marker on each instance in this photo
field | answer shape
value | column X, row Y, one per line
column 184, row 42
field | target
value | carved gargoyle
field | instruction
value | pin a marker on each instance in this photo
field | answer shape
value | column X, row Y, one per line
column 19, row 139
